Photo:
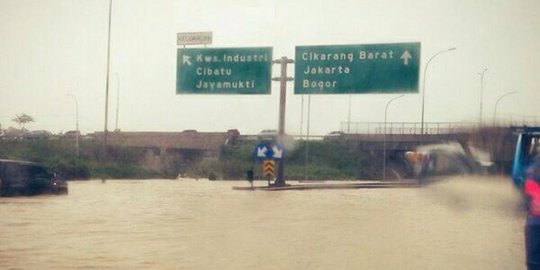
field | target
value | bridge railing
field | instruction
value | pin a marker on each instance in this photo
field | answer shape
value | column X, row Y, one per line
column 402, row 128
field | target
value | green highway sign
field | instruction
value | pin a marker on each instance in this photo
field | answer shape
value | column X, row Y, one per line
column 349, row 69
column 224, row 70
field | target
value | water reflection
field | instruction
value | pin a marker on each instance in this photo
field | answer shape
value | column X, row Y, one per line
column 188, row 224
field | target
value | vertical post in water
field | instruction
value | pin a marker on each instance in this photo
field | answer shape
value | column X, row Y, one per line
column 280, row 178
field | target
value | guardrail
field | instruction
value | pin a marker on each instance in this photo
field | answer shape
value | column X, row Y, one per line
column 407, row 127
column 435, row 128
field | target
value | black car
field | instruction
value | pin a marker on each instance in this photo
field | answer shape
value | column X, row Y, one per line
column 28, row 178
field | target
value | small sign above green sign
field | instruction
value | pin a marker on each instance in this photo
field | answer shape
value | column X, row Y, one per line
column 349, row 69
column 224, row 70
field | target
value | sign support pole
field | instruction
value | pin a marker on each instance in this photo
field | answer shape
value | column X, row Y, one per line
column 280, row 178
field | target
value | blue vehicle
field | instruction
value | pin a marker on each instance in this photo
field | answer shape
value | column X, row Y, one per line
column 527, row 147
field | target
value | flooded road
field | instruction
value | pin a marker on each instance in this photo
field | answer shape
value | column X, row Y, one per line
column 466, row 223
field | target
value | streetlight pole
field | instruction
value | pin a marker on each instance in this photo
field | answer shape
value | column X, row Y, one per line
column 424, row 89
column 105, row 130
column 384, row 135
column 497, row 104
column 481, row 95
column 302, row 118
column 349, row 116
column 306, row 161
column 76, row 123
column 117, row 99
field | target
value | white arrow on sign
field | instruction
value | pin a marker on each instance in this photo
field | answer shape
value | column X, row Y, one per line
column 278, row 152
column 261, row 151
column 186, row 59
column 406, row 56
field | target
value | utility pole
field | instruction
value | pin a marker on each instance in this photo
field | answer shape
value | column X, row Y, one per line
column 283, row 79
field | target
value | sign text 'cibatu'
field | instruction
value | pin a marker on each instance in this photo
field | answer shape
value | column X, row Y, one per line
column 224, row 71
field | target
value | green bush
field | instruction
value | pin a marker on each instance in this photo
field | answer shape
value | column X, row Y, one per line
column 332, row 159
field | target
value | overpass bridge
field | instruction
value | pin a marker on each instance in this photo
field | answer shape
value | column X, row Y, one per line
column 412, row 128
column 404, row 142
column 208, row 142
column 169, row 150
column 401, row 136
column 398, row 136
column 164, row 149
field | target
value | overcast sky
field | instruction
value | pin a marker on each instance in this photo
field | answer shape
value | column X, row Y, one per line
column 53, row 48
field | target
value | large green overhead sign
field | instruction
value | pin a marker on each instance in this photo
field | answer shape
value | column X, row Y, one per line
column 346, row 69
column 224, row 70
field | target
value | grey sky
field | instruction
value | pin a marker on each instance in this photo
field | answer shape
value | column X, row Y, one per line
column 57, row 47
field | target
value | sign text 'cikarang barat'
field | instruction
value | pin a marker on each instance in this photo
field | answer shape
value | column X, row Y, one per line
column 372, row 68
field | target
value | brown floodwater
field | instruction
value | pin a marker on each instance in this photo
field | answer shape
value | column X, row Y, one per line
column 462, row 223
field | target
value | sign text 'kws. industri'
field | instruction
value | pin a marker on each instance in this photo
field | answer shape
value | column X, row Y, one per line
column 224, row 71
